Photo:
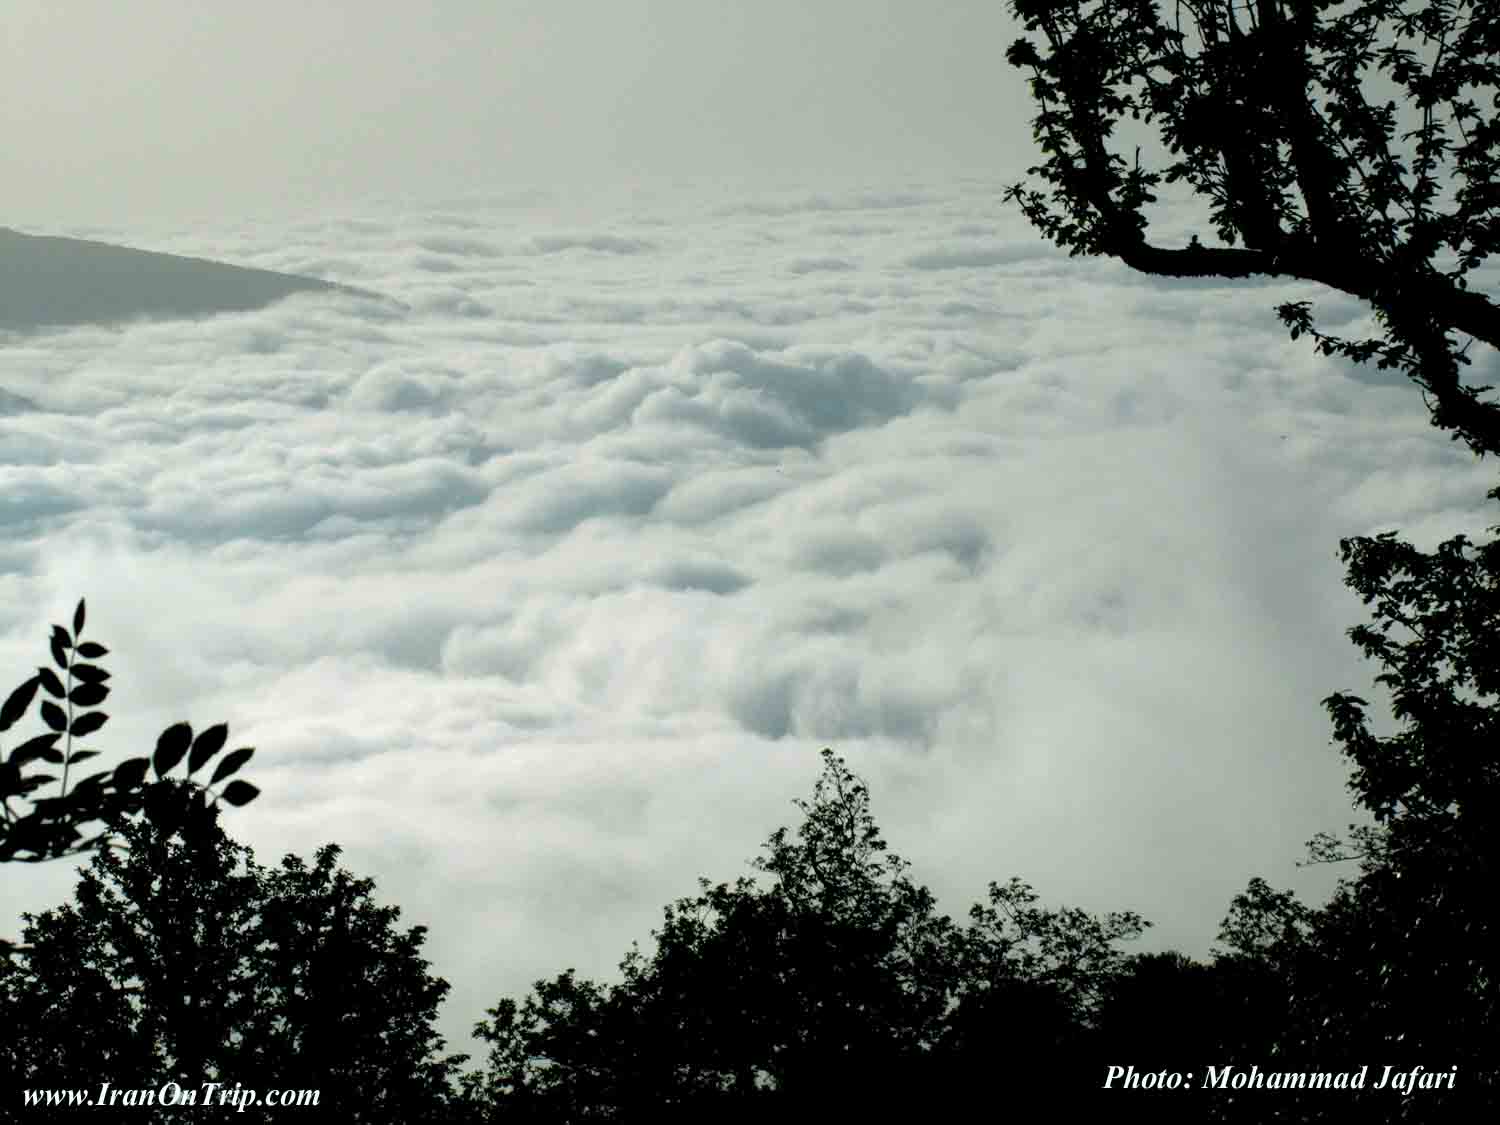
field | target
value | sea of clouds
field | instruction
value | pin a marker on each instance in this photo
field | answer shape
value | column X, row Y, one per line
column 540, row 591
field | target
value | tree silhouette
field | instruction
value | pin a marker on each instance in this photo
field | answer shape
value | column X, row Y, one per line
column 1306, row 176
column 53, row 827
column 1421, row 909
column 183, row 959
column 1402, row 965
column 833, row 983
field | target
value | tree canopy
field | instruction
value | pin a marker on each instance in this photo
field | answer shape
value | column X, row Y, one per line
column 1306, row 175
column 1400, row 966
column 183, row 959
column 1417, row 922
column 830, row 980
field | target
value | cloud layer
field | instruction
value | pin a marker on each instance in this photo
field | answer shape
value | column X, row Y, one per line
column 541, row 594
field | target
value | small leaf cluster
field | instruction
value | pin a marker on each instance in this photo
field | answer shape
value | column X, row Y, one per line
column 53, row 826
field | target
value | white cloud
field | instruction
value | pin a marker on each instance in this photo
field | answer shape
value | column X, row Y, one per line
column 540, row 594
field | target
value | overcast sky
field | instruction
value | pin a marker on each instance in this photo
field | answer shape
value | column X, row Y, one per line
column 541, row 596
column 183, row 109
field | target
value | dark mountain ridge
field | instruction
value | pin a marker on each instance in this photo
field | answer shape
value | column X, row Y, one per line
column 48, row 281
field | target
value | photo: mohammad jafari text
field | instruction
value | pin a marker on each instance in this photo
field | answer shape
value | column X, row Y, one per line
column 1398, row 1079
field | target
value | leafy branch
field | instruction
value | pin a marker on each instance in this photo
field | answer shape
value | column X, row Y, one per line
column 53, row 827
column 1305, row 176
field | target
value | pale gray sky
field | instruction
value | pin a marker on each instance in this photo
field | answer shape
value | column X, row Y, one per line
column 119, row 112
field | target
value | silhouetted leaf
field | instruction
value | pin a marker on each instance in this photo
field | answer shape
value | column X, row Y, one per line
column 88, row 723
column 53, row 716
column 90, row 651
column 89, row 673
column 83, row 756
column 17, row 702
column 10, row 779
column 87, row 695
column 89, row 789
column 171, row 745
column 207, row 744
column 234, row 761
column 32, row 748
column 78, row 618
column 88, row 802
column 50, row 681
column 130, row 773
column 60, row 645
column 29, row 834
column 239, row 793
column 54, row 755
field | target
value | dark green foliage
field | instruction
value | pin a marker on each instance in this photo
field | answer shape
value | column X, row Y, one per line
column 1439, row 776
column 1029, row 986
column 183, row 958
column 1306, row 175
column 1163, row 1011
column 1421, row 910
column 834, row 983
column 1402, row 965
column 53, row 827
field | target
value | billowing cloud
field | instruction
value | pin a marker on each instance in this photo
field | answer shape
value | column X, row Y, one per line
column 540, row 590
